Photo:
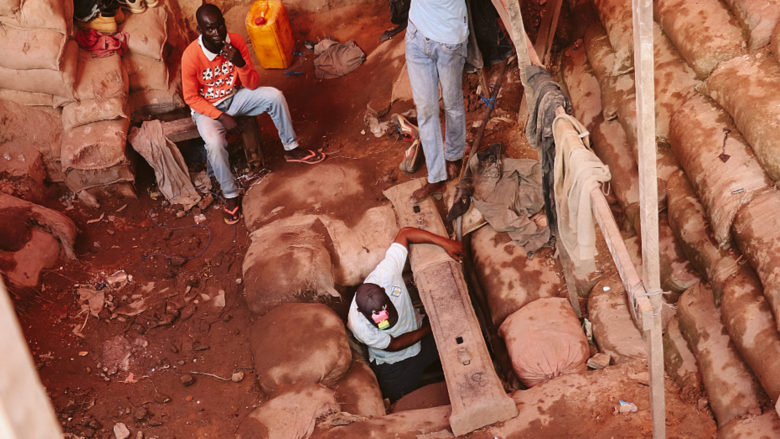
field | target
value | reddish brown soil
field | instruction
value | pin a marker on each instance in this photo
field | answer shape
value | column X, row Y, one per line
column 181, row 333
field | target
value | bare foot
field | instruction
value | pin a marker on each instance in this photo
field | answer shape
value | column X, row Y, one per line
column 427, row 190
column 453, row 168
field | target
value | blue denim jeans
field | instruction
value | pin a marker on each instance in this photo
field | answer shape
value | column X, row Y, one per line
column 245, row 102
column 429, row 63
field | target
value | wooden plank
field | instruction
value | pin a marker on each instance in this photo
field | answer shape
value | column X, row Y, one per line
column 546, row 35
column 25, row 409
column 644, row 78
column 476, row 394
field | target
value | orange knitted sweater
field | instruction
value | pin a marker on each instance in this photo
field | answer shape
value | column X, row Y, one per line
column 207, row 78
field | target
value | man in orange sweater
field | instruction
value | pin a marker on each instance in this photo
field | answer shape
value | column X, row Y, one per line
column 219, row 82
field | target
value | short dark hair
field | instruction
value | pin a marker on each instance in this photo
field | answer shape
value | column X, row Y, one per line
column 370, row 297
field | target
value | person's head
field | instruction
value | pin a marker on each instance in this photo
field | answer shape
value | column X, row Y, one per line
column 374, row 304
column 211, row 24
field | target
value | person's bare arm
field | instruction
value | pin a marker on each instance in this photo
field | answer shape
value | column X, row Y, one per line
column 408, row 339
column 413, row 235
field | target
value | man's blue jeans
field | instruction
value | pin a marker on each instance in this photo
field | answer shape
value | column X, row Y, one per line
column 245, row 102
column 430, row 62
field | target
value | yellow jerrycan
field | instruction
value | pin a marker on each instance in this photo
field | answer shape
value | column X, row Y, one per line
column 269, row 30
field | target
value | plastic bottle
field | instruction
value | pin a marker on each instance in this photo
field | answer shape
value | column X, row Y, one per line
column 269, row 31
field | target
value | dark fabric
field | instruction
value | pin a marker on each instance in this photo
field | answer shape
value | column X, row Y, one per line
column 544, row 96
column 491, row 40
column 398, row 379
column 399, row 11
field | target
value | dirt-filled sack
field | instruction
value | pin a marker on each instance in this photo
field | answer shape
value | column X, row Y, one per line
column 680, row 364
column 31, row 48
column 147, row 33
column 288, row 261
column 153, row 101
column 581, row 84
column 601, row 56
column 757, row 233
column 749, row 322
column 32, row 99
column 762, row 426
column 291, row 414
column 100, row 78
column 145, row 72
column 677, row 273
column 757, row 17
column 509, row 278
column 731, row 388
column 703, row 31
column 360, row 247
column 300, row 343
column 94, row 154
column 702, row 137
column 41, row 14
column 430, row 395
column 748, row 88
column 47, row 81
column 775, row 43
column 358, row 392
column 689, row 224
column 616, row 17
column 544, row 340
column 93, row 110
column 609, row 143
column 613, row 327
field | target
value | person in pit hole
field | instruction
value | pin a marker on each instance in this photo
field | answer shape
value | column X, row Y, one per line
column 219, row 83
column 381, row 316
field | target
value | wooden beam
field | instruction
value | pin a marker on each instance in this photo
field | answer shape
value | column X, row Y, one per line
column 546, row 35
column 476, row 393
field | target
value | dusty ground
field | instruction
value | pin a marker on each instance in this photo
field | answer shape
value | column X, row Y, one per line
column 183, row 270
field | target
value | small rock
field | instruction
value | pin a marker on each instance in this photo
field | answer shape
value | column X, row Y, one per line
column 140, row 413
column 200, row 218
column 181, row 214
column 205, row 202
column 121, row 431
column 162, row 398
column 187, row 380
column 237, row 377
column 599, row 361
column 139, row 435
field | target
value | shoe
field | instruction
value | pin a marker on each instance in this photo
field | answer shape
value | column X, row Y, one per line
column 152, row 3
column 231, row 211
column 311, row 158
column 412, row 158
column 134, row 6
column 404, row 128
column 101, row 23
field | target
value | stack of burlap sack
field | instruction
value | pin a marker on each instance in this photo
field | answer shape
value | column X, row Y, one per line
column 717, row 112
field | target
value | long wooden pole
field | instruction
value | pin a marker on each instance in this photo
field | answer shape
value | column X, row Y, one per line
column 644, row 74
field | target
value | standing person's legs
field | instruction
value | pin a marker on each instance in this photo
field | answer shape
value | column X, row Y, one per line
column 449, row 63
column 424, row 80
column 270, row 100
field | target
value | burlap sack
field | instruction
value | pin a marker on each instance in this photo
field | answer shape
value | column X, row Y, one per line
column 299, row 343
column 291, row 414
column 93, row 110
column 757, row 233
column 288, row 261
column 93, row 155
column 146, row 73
column 697, row 138
column 53, row 82
column 431, row 395
column 609, row 142
column 31, row 48
column 41, row 14
column 703, row 31
column 149, row 101
column 680, row 364
column 544, row 340
column 581, row 85
column 613, row 327
column 616, row 17
column 33, row 99
column 358, row 392
column 147, row 33
column 100, row 78
column 775, row 43
column 757, row 17
column 749, row 322
column 763, row 426
column 508, row 277
column 748, row 88
column 602, row 58
column 731, row 388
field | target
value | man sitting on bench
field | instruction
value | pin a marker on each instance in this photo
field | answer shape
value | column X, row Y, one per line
column 219, row 82
column 381, row 316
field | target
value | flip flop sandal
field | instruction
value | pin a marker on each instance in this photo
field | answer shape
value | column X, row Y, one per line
column 231, row 216
column 406, row 129
column 312, row 158
column 412, row 158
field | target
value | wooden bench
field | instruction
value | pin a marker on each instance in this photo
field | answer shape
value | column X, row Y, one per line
column 183, row 128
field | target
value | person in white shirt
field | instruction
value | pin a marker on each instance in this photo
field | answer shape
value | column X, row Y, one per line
column 381, row 315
